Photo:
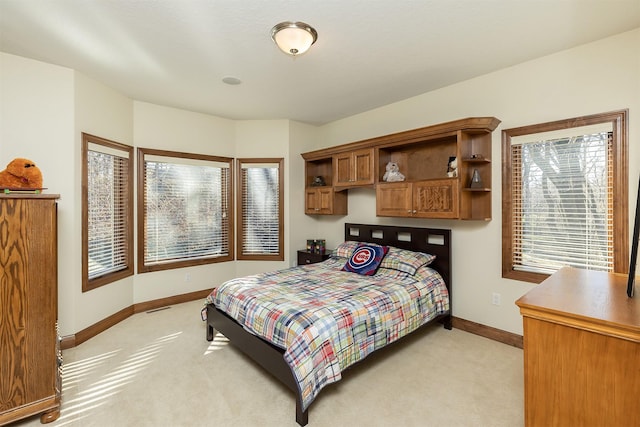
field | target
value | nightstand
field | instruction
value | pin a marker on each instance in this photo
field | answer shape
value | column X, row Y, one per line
column 305, row 257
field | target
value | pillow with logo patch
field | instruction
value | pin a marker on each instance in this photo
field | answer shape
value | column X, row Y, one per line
column 366, row 259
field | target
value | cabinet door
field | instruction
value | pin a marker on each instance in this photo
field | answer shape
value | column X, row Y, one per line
column 325, row 201
column 437, row 198
column 342, row 170
column 311, row 203
column 354, row 168
column 394, row 199
column 363, row 167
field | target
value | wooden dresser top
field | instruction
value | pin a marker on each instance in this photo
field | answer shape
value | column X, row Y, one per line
column 19, row 195
column 585, row 299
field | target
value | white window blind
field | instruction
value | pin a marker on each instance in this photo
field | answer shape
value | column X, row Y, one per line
column 107, row 197
column 261, row 210
column 186, row 210
column 563, row 203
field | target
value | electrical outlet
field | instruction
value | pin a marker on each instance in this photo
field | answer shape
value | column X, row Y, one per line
column 495, row 298
column 187, row 277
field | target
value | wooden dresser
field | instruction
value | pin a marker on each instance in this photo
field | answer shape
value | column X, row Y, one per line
column 29, row 351
column 581, row 351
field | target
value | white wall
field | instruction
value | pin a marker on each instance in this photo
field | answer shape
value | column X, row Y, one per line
column 302, row 138
column 597, row 77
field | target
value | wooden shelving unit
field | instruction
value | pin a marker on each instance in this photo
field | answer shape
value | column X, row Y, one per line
column 422, row 156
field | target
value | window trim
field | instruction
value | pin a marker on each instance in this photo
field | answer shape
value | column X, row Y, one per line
column 90, row 284
column 142, row 267
column 239, row 212
column 619, row 122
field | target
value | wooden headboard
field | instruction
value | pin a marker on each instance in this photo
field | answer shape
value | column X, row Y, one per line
column 428, row 240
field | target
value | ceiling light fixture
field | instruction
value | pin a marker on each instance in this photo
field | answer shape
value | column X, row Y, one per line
column 294, row 38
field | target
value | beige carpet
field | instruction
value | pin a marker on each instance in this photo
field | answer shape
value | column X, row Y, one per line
column 157, row 369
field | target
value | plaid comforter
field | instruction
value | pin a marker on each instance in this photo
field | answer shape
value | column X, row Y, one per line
column 326, row 319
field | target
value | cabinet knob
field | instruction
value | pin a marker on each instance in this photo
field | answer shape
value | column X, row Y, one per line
column 414, row 211
column 409, row 211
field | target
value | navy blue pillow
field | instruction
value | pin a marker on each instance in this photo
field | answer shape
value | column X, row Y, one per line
column 366, row 259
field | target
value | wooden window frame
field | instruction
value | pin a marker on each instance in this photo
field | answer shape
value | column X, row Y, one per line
column 619, row 122
column 239, row 211
column 142, row 266
column 89, row 284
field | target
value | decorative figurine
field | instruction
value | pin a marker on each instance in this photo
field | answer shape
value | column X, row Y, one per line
column 393, row 173
column 452, row 167
column 476, row 182
column 318, row 181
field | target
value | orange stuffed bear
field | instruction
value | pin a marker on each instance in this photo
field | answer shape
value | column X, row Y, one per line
column 21, row 173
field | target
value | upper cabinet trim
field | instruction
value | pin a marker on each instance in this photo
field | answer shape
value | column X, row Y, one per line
column 481, row 124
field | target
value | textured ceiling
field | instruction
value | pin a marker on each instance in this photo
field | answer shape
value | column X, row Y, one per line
column 369, row 53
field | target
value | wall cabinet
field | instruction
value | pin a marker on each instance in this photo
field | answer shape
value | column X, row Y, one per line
column 424, row 162
column 436, row 198
column 320, row 196
column 353, row 169
column 422, row 156
column 29, row 346
column 325, row 201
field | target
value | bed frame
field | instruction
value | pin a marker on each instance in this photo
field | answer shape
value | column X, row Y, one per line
column 270, row 357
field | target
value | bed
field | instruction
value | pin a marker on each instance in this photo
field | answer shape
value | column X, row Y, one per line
column 285, row 334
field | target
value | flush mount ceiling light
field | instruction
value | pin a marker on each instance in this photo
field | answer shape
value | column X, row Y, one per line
column 294, row 38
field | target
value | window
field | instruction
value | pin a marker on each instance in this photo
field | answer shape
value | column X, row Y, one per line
column 260, row 209
column 184, row 209
column 107, row 211
column 565, row 197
